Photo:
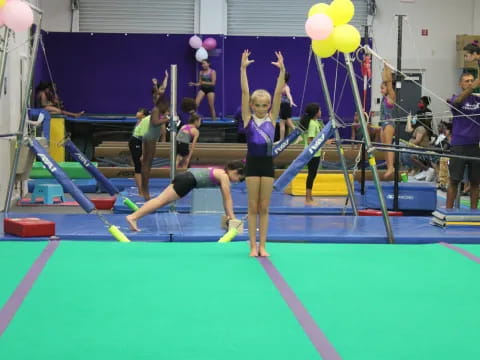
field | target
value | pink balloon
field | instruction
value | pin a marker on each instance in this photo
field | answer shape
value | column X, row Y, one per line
column 319, row 26
column 209, row 43
column 1, row 18
column 195, row 42
column 17, row 15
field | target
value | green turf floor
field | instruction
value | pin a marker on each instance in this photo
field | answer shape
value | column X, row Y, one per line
column 388, row 302
column 15, row 260
column 181, row 301
column 138, row 301
column 474, row 249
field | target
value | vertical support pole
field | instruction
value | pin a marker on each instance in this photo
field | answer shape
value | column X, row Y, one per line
column 3, row 56
column 368, row 144
column 362, row 146
column 331, row 113
column 363, row 158
column 23, row 118
column 173, row 125
column 398, row 87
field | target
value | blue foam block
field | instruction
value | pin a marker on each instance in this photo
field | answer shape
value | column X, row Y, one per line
column 85, row 185
column 420, row 196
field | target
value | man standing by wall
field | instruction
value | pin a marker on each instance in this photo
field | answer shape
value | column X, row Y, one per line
column 465, row 139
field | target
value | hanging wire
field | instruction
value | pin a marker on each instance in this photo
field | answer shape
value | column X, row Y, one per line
column 306, row 79
column 341, row 93
column 18, row 46
column 48, row 66
column 335, row 83
column 423, row 87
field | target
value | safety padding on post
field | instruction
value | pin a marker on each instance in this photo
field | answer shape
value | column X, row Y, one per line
column 28, row 227
column 57, row 134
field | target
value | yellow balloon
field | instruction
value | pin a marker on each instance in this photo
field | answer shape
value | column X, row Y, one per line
column 341, row 11
column 320, row 8
column 346, row 38
column 2, row 2
column 324, row 48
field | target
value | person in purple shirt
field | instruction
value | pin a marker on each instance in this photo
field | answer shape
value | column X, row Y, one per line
column 259, row 121
column 465, row 139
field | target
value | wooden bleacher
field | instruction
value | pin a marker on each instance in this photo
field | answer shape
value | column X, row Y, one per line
column 219, row 154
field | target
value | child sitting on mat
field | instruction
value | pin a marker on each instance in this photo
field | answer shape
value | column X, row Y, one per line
column 184, row 182
column 187, row 134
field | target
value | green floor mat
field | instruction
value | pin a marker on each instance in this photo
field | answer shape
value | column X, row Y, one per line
column 170, row 301
column 16, row 258
column 474, row 249
column 73, row 169
column 387, row 302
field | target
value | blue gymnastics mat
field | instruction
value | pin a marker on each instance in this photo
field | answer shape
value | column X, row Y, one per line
column 280, row 203
column 85, row 185
column 283, row 228
column 90, row 227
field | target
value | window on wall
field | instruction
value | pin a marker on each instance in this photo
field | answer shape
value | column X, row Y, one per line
column 137, row 16
column 279, row 17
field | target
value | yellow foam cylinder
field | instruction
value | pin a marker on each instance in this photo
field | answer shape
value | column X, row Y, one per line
column 324, row 185
column 229, row 236
column 57, row 135
column 117, row 234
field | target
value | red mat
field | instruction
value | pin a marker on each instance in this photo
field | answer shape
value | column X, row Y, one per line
column 100, row 203
column 39, row 202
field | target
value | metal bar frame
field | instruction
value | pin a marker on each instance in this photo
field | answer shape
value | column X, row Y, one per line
column 366, row 137
column 25, row 101
column 173, row 126
column 3, row 56
column 398, row 88
column 338, row 143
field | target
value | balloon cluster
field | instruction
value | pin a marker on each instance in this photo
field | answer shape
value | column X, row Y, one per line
column 15, row 14
column 327, row 27
column 202, row 47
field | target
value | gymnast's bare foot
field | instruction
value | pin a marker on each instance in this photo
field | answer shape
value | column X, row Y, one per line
column 253, row 252
column 263, row 252
column 132, row 222
column 309, row 202
column 79, row 114
column 388, row 175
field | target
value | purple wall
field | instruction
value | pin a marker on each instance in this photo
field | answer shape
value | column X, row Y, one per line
column 111, row 73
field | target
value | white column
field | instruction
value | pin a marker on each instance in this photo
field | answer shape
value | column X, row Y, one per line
column 212, row 16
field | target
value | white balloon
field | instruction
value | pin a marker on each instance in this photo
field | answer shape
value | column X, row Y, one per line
column 201, row 54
